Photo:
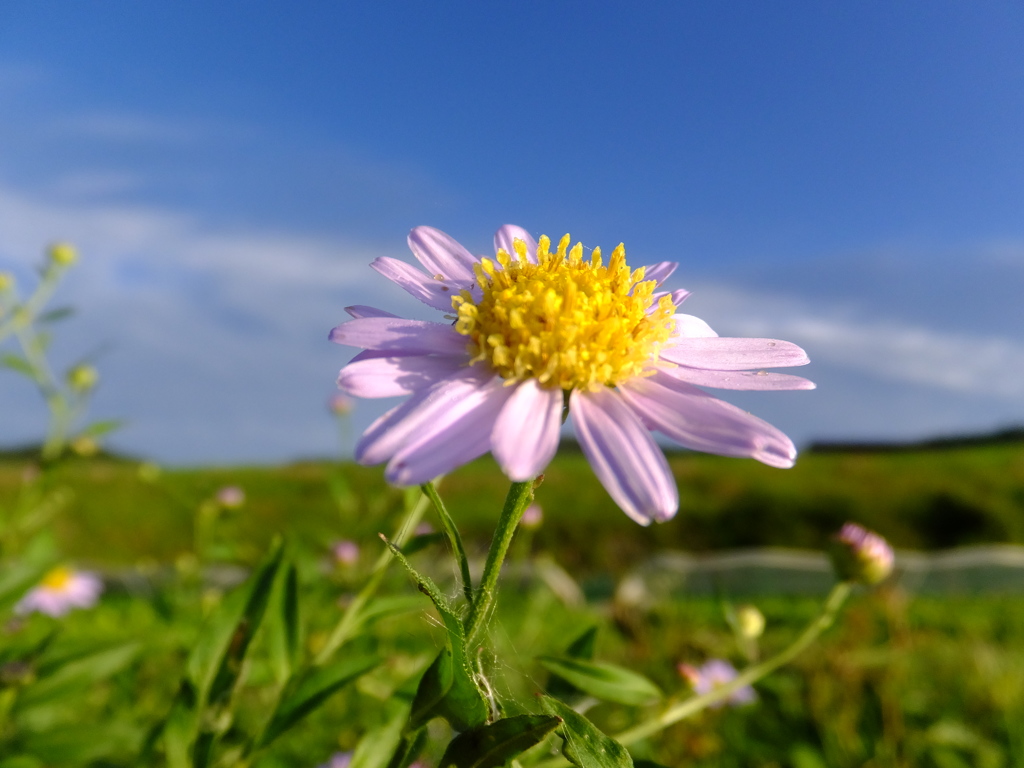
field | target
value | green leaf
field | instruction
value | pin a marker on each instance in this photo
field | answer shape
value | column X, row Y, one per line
column 100, row 428
column 79, row 673
column 282, row 624
column 314, row 689
column 585, row 745
column 216, row 659
column 53, row 315
column 492, row 746
column 379, row 744
column 607, row 682
column 19, row 364
column 181, row 726
column 424, row 540
column 581, row 648
column 79, row 744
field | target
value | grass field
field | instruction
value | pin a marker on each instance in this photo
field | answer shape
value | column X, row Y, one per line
column 901, row 681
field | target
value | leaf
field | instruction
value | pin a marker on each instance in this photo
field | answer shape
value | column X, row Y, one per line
column 581, row 648
column 79, row 673
column 19, row 364
column 316, row 687
column 99, row 428
column 424, row 540
column 492, row 746
column 604, row 681
column 79, row 744
column 216, row 659
column 181, row 725
column 53, row 315
column 282, row 624
column 585, row 745
column 379, row 744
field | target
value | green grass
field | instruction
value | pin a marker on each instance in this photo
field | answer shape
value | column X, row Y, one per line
column 924, row 499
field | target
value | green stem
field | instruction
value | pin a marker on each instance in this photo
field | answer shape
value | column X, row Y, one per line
column 519, row 497
column 350, row 618
column 453, row 538
column 750, row 675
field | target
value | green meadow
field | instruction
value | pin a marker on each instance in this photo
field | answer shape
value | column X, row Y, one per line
column 900, row 680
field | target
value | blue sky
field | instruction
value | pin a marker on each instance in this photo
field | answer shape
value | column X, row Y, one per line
column 846, row 176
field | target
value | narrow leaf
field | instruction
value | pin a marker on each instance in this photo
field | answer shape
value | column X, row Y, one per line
column 19, row 364
column 607, row 682
column 79, row 673
column 584, row 744
column 379, row 744
column 581, row 648
column 282, row 624
column 316, row 687
column 494, row 745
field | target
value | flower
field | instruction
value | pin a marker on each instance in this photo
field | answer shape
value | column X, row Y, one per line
column 537, row 331
column 861, row 555
column 231, row 497
column 750, row 622
column 346, row 552
column 61, row 590
column 532, row 517
column 338, row 760
column 340, row 404
column 714, row 674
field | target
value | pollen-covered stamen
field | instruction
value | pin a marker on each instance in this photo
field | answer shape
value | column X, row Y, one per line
column 564, row 321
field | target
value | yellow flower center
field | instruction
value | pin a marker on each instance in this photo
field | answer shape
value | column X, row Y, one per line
column 58, row 578
column 563, row 321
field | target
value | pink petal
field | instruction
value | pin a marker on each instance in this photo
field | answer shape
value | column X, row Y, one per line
column 359, row 310
column 763, row 380
column 690, row 327
column 731, row 354
column 442, row 255
column 505, row 237
column 399, row 335
column 425, row 409
column 434, row 293
column 449, row 434
column 660, row 271
column 699, row 421
column 525, row 435
column 625, row 459
column 395, row 376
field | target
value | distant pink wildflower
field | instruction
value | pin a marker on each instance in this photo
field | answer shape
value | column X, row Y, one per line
column 338, row 760
column 61, row 590
column 532, row 517
column 861, row 555
column 537, row 330
column 231, row 497
column 714, row 674
column 340, row 404
column 346, row 552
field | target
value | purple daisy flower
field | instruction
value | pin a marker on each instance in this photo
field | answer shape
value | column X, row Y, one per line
column 61, row 590
column 713, row 674
column 536, row 331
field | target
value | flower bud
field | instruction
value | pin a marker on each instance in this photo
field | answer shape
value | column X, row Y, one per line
column 231, row 497
column 750, row 622
column 83, row 378
column 85, row 446
column 532, row 517
column 341, row 404
column 861, row 555
column 346, row 553
column 63, row 254
column 6, row 281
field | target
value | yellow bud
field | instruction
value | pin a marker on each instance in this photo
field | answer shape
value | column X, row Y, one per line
column 85, row 446
column 6, row 281
column 749, row 621
column 83, row 377
column 149, row 472
column 63, row 254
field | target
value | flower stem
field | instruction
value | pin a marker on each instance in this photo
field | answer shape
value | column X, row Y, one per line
column 518, row 499
column 350, row 618
column 453, row 538
column 751, row 674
